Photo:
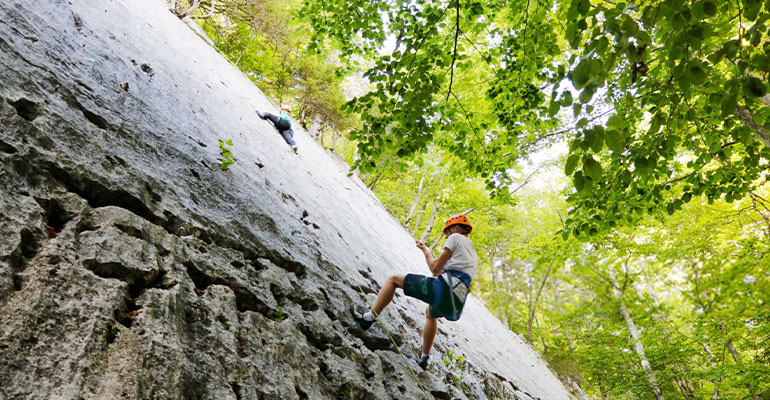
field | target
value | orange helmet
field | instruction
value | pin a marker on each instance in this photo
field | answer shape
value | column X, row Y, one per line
column 286, row 108
column 458, row 220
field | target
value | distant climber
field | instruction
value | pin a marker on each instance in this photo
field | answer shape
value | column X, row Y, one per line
column 445, row 291
column 283, row 124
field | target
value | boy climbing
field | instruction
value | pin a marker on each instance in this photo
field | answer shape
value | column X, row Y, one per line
column 283, row 124
column 445, row 291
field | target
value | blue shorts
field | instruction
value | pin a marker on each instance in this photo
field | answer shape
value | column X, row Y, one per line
column 435, row 292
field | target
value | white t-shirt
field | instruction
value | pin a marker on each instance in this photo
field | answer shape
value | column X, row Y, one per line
column 464, row 258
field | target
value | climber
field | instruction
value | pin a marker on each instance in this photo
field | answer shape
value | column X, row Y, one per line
column 445, row 291
column 283, row 124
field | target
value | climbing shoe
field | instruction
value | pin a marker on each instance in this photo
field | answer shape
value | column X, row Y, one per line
column 423, row 361
column 359, row 318
column 294, row 149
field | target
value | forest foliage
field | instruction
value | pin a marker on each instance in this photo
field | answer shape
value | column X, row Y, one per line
column 612, row 156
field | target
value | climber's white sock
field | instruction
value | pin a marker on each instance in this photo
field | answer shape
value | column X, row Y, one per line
column 369, row 316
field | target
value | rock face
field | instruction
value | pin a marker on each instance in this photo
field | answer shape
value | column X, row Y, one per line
column 132, row 267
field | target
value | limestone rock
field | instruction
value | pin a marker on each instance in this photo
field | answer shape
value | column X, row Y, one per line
column 131, row 266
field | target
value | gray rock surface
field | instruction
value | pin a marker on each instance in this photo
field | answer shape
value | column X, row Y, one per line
column 132, row 267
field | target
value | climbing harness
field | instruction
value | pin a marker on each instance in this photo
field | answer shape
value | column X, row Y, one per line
column 382, row 324
column 458, row 293
column 363, row 295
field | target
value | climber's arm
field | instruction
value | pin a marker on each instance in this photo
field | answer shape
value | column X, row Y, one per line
column 436, row 265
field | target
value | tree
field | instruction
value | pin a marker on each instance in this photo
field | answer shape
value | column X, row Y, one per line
column 685, row 80
column 667, row 95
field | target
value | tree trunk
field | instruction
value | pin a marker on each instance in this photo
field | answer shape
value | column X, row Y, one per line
column 416, row 201
column 431, row 222
column 576, row 389
column 496, row 287
column 374, row 181
column 504, row 288
column 316, row 127
column 638, row 347
column 602, row 390
column 737, row 359
column 759, row 131
column 534, row 302
column 682, row 381
column 209, row 15
column 419, row 217
column 542, row 337
column 189, row 11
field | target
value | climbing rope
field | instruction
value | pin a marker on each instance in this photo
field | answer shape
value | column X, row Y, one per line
column 350, row 274
column 363, row 294
column 358, row 287
column 382, row 324
column 470, row 355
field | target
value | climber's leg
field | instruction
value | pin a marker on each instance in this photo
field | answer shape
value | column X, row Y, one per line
column 428, row 335
column 286, row 135
column 386, row 293
column 365, row 320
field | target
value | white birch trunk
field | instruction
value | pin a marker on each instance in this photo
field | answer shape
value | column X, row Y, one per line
column 638, row 347
column 737, row 359
column 431, row 222
column 419, row 218
column 416, row 201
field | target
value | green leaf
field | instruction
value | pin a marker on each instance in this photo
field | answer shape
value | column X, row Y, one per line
column 751, row 12
column 754, row 87
column 654, row 126
column 587, row 94
column 709, row 8
column 629, row 25
column 576, row 109
column 697, row 11
column 553, row 108
column 583, row 6
column 696, row 74
column 579, row 181
column 614, row 141
column 717, row 56
column 592, row 168
column 595, row 138
column 640, row 163
column 626, row 177
column 582, row 74
column 571, row 164
column 616, row 122
column 729, row 103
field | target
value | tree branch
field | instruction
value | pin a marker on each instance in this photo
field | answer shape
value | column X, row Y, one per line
column 573, row 127
column 465, row 113
column 748, row 119
column 417, row 50
column 454, row 53
column 209, row 15
column 680, row 178
column 190, row 10
column 524, row 45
